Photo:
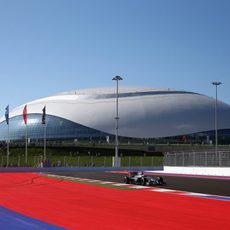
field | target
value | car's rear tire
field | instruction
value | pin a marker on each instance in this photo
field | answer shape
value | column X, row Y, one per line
column 126, row 180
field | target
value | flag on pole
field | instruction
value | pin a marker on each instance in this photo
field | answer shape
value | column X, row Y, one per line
column 25, row 114
column 44, row 115
column 7, row 115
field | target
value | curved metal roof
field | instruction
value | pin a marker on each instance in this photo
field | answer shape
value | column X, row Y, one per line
column 144, row 112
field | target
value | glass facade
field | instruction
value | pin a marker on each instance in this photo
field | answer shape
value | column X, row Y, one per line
column 56, row 128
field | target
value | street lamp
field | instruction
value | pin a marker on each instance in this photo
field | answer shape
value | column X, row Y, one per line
column 216, row 83
column 116, row 159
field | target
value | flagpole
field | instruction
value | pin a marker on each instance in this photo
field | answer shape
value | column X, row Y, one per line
column 26, row 138
column 8, row 147
column 44, row 142
column 26, row 146
column 44, row 123
column 8, row 137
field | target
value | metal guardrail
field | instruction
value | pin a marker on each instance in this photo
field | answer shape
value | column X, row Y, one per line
column 202, row 159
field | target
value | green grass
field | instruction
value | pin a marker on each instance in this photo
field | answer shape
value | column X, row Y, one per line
column 69, row 157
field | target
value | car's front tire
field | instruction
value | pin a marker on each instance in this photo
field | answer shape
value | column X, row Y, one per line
column 160, row 180
column 143, row 181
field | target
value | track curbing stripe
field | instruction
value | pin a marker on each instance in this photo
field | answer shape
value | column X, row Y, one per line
column 147, row 188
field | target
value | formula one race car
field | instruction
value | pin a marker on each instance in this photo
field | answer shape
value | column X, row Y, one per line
column 139, row 178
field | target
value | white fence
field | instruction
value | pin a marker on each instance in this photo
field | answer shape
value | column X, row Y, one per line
column 200, row 159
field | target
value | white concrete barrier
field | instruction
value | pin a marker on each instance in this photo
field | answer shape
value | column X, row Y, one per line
column 212, row 171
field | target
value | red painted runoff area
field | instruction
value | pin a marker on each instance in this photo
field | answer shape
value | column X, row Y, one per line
column 74, row 205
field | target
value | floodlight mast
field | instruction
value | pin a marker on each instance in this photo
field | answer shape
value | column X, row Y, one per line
column 216, row 84
column 116, row 161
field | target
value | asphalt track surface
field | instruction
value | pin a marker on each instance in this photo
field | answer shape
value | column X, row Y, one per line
column 211, row 186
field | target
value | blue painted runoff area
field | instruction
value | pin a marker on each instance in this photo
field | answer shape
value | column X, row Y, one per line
column 13, row 220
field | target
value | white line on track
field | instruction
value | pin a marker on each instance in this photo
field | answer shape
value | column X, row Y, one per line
column 82, row 179
column 119, row 184
column 106, row 182
column 93, row 181
column 138, row 187
column 162, row 190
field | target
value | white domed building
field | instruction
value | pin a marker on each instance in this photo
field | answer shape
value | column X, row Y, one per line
column 143, row 112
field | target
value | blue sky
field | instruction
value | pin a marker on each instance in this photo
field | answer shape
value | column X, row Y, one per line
column 50, row 46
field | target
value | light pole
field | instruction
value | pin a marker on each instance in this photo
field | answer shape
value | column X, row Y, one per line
column 216, row 83
column 116, row 159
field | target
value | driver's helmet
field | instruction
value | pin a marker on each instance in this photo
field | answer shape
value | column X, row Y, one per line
column 159, row 179
column 140, row 173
